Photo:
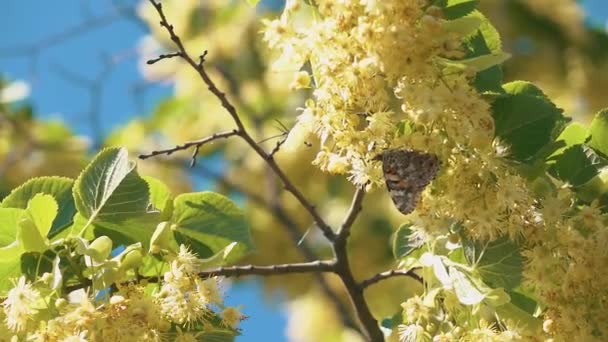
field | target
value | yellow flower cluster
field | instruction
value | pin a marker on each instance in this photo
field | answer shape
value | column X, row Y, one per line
column 377, row 83
column 372, row 67
column 375, row 67
column 564, row 270
column 184, row 298
column 34, row 312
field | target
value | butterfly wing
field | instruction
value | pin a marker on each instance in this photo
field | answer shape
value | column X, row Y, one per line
column 407, row 173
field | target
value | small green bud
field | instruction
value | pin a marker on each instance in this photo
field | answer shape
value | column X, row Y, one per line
column 100, row 249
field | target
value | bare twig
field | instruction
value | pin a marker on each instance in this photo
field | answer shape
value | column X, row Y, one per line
column 196, row 144
column 389, row 274
column 350, row 217
column 239, row 271
column 165, row 56
column 316, row 266
column 277, row 147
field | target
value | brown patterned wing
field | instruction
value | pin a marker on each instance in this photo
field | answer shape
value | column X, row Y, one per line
column 407, row 173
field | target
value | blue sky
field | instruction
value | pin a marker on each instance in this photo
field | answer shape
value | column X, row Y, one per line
column 56, row 76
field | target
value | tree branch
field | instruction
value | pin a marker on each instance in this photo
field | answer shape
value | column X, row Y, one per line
column 317, row 266
column 239, row 271
column 343, row 269
column 352, row 214
column 165, row 56
column 389, row 274
column 196, row 144
column 199, row 67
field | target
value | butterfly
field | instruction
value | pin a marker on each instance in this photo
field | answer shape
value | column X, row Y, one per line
column 407, row 173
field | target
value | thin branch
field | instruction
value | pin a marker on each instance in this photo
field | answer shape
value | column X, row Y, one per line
column 196, row 144
column 277, row 147
column 272, row 270
column 389, row 274
column 317, row 266
column 165, row 56
column 199, row 67
column 343, row 269
column 352, row 214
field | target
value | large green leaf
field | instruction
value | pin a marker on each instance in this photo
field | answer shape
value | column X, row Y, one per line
column 577, row 165
column 58, row 187
column 160, row 197
column 486, row 41
column 209, row 222
column 526, row 119
column 574, row 134
column 36, row 223
column 10, row 249
column 110, row 190
column 10, row 269
column 133, row 230
column 525, row 320
column 9, row 223
column 499, row 263
column 598, row 132
column 523, row 302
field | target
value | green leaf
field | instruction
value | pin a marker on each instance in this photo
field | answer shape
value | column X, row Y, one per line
column 220, row 257
column 9, row 223
column 577, row 165
column 113, row 198
column 58, row 187
column 574, row 134
column 10, row 269
column 458, row 8
column 159, row 192
column 42, row 210
column 209, row 222
column 36, row 223
column 523, row 302
column 405, row 241
column 129, row 231
column 526, row 120
column 525, row 321
column 486, row 41
column 598, row 132
column 499, row 263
